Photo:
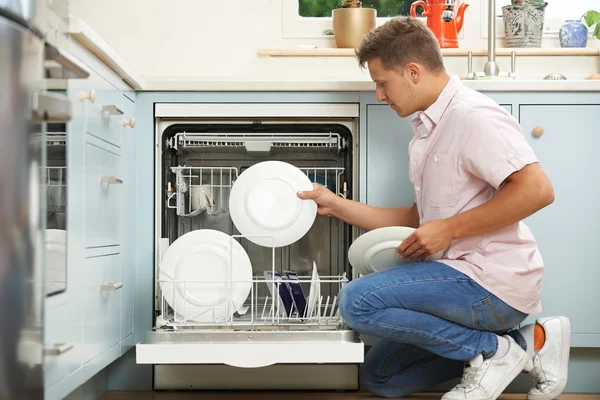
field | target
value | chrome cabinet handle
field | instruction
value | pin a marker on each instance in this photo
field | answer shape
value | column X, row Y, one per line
column 112, row 109
column 51, row 107
column 111, row 287
column 130, row 122
column 111, row 180
column 58, row 349
column 68, row 66
column 91, row 96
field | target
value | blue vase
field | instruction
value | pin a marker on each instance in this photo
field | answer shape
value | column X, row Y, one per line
column 573, row 33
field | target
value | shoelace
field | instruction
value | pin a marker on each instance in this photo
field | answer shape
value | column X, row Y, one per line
column 469, row 378
column 539, row 377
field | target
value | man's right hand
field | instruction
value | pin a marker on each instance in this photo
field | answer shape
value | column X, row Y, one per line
column 324, row 198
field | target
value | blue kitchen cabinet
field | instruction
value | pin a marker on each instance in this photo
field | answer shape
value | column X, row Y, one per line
column 567, row 231
column 387, row 137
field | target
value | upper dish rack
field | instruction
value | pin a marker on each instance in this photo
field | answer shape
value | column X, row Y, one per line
column 206, row 189
column 256, row 143
column 56, row 189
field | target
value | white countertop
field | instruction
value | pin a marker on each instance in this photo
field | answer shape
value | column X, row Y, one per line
column 94, row 43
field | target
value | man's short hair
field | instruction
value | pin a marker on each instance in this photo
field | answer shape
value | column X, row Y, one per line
column 400, row 41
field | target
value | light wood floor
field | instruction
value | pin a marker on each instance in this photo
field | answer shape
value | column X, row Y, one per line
column 297, row 395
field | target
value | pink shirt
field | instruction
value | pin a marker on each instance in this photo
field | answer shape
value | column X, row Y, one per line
column 465, row 146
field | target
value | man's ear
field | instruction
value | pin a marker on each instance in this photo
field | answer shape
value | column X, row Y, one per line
column 413, row 72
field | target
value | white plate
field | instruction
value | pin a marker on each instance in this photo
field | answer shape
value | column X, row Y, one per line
column 204, row 258
column 376, row 250
column 264, row 203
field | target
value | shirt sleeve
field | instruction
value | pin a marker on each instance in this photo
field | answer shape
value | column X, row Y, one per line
column 494, row 147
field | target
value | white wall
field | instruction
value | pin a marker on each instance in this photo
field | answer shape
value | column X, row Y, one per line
column 219, row 39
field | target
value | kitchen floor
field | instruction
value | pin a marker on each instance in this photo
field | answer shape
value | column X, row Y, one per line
column 297, row 395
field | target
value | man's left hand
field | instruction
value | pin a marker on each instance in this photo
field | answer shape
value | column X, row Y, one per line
column 428, row 239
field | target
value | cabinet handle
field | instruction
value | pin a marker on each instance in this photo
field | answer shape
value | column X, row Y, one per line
column 537, row 131
column 68, row 66
column 51, row 107
column 112, row 109
column 111, row 180
column 58, row 349
column 130, row 122
column 91, row 96
column 111, row 287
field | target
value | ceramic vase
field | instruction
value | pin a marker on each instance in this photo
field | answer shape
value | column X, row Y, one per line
column 573, row 33
column 524, row 24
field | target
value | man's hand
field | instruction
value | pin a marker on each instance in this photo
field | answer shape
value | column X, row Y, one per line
column 325, row 198
column 428, row 239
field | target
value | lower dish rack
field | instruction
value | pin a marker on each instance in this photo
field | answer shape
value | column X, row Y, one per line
column 275, row 324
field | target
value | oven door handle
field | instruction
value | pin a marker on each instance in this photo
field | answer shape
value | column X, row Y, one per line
column 71, row 67
column 51, row 107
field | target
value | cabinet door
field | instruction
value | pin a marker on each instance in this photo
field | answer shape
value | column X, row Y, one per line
column 102, row 304
column 128, row 220
column 103, row 188
column 567, row 231
column 388, row 135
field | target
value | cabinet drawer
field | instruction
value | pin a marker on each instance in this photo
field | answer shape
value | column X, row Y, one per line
column 62, row 343
column 103, row 191
column 102, row 308
column 103, row 109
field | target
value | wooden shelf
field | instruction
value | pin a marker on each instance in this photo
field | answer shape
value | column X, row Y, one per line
column 532, row 52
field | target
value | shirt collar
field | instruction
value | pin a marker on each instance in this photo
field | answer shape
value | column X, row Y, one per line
column 424, row 121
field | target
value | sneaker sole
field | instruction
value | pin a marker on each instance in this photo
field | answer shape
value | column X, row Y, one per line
column 565, row 331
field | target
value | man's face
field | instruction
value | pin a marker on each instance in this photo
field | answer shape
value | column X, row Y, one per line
column 394, row 88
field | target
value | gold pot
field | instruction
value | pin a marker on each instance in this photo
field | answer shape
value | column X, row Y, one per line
column 350, row 25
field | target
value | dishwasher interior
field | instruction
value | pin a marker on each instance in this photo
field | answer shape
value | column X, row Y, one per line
column 200, row 165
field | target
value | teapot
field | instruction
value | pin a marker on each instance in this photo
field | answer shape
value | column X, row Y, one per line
column 442, row 19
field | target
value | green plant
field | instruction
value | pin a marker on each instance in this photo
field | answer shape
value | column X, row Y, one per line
column 591, row 18
column 351, row 4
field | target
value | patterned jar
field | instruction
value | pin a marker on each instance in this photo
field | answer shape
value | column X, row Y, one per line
column 573, row 33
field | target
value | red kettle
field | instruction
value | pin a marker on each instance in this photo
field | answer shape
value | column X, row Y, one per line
column 443, row 21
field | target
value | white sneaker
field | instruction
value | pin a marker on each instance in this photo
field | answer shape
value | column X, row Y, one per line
column 487, row 379
column 550, row 366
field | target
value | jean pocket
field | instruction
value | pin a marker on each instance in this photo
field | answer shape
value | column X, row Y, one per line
column 494, row 315
column 440, row 174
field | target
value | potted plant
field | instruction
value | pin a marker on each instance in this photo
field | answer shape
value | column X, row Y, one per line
column 352, row 22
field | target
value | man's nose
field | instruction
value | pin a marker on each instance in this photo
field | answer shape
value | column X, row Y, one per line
column 379, row 93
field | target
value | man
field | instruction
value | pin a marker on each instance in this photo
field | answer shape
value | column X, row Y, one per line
column 475, row 178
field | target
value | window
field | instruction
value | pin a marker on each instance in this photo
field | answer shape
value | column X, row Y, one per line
column 385, row 8
column 312, row 18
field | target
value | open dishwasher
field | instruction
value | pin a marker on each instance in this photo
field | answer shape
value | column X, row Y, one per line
column 264, row 343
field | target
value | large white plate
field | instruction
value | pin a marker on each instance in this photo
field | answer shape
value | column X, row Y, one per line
column 202, row 270
column 376, row 250
column 264, row 203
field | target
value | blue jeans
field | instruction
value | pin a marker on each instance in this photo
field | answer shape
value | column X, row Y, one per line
column 430, row 319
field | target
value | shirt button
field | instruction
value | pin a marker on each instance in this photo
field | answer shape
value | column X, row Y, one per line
column 418, row 188
column 510, row 155
column 435, row 159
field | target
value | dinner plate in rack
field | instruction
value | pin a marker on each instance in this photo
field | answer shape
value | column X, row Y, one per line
column 265, row 207
column 375, row 250
column 200, row 271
